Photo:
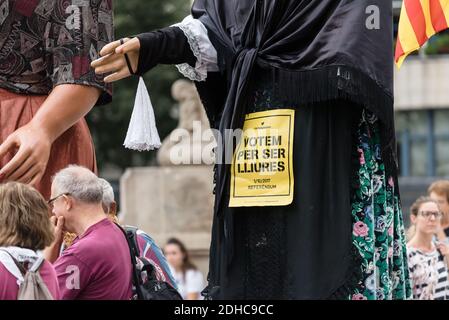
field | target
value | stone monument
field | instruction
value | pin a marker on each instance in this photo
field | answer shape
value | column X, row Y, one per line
column 175, row 199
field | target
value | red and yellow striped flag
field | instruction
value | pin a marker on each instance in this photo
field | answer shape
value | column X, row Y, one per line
column 420, row 19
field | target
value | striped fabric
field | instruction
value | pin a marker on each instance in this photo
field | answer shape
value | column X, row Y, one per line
column 420, row 19
column 429, row 275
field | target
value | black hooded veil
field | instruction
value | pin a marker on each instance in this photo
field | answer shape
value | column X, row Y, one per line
column 330, row 58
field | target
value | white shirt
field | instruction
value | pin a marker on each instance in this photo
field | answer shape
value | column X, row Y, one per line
column 192, row 282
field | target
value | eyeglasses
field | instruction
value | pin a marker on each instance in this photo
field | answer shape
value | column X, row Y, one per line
column 52, row 200
column 427, row 214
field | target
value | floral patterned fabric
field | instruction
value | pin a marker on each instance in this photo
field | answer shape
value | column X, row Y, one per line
column 44, row 43
column 378, row 232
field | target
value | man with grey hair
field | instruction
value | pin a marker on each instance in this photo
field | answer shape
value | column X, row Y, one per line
column 97, row 265
column 148, row 249
column 109, row 204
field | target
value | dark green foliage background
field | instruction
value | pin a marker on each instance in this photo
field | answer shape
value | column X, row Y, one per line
column 109, row 123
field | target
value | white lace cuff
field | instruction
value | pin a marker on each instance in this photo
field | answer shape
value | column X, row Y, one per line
column 202, row 48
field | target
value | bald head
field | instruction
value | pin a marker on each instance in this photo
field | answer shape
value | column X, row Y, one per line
column 81, row 183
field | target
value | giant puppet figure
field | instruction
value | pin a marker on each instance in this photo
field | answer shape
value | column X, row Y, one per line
column 47, row 85
column 307, row 206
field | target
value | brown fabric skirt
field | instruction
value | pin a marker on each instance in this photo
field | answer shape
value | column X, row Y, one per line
column 75, row 146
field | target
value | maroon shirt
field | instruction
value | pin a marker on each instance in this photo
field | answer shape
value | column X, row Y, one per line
column 44, row 43
column 97, row 266
column 9, row 287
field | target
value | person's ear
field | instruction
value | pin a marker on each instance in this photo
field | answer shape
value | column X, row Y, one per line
column 68, row 203
column 413, row 218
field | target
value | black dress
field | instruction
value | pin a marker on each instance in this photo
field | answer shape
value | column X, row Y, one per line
column 344, row 225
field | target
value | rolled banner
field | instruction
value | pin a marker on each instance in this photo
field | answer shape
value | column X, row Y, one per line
column 142, row 132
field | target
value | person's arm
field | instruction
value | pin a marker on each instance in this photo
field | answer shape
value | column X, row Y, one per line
column 145, row 51
column 51, row 253
column 193, row 296
column 185, row 44
column 76, row 89
column 66, row 104
column 172, row 48
column 71, row 272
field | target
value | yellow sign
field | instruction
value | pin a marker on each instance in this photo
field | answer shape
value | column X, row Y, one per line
column 262, row 167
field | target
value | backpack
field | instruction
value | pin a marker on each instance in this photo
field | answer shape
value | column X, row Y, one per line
column 153, row 253
column 146, row 286
column 33, row 286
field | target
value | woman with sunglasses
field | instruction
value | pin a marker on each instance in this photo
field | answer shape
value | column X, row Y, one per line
column 427, row 257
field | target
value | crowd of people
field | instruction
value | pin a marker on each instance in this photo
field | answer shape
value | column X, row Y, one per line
column 75, row 245
column 81, row 253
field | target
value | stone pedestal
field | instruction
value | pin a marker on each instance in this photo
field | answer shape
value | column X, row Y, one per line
column 171, row 202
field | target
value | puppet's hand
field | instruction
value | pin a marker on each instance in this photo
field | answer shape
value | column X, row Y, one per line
column 30, row 161
column 113, row 59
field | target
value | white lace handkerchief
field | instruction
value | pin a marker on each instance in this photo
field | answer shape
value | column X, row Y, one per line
column 142, row 133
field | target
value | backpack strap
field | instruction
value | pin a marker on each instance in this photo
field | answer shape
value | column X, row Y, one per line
column 134, row 252
column 37, row 265
column 131, row 233
column 17, row 263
